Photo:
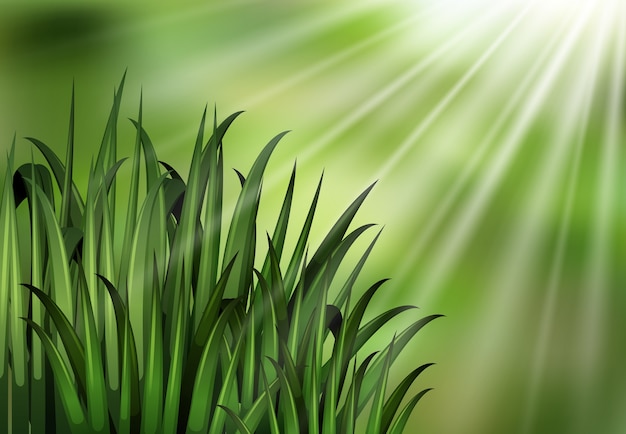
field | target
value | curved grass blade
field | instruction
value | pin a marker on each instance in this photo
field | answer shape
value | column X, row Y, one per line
column 376, row 370
column 71, row 342
column 287, row 401
column 369, row 329
column 334, row 237
column 7, row 281
column 199, row 379
column 271, row 415
column 58, row 170
column 229, row 383
column 301, row 245
column 130, row 406
column 67, row 392
column 59, row 260
column 400, row 424
column 375, row 420
column 241, row 425
column 393, row 403
column 241, row 233
column 97, row 409
column 210, row 251
column 66, row 193
column 349, row 412
column 152, row 409
column 348, row 286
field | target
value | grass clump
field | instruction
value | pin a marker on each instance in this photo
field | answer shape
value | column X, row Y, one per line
column 174, row 329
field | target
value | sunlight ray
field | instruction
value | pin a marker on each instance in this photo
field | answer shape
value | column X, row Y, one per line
column 271, row 43
column 386, row 93
column 421, row 128
column 511, row 276
column 395, row 86
column 598, row 283
column 546, row 323
column 455, row 241
column 452, row 196
column 337, row 58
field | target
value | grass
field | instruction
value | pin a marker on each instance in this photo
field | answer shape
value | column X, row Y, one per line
column 173, row 329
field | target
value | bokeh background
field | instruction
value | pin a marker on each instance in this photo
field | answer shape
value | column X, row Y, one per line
column 495, row 130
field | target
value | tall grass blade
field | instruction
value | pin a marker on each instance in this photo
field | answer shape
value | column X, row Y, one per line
column 393, row 403
column 241, row 425
column 376, row 413
column 63, row 381
column 241, row 234
column 334, row 237
column 66, row 193
column 377, row 368
column 399, row 425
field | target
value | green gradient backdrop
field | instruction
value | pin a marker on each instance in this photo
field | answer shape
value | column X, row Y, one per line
column 495, row 129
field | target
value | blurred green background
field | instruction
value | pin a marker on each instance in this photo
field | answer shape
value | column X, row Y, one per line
column 495, row 129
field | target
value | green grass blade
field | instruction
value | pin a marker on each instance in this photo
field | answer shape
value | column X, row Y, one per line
column 241, row 233
column 280, row 231
column 210, row 251
column 38, row 405
column 229, row 385
column 287, row 401
column 130, row 407
column 301, row 245
column 196, row 416
column 7, row 230
column 375, row 420
column 348, row 286
column 334, row 237
column 152, row 411
column 376, row 369
column 349, row 412
column 71, row 343
column 59, row 172
column 58, row 259
column 368, row 330
column 63, row 379
column 395, row 399
column 271, row 414
column 97, row 408
column 296, row 322
column 262, row 405
column 131, row 210
column 66, row 193
column 400, row 424
column 241, row 425
column 141, row 261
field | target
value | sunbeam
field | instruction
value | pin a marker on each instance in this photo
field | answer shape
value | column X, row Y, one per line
column 546, row 323
column 435, row 220
column 456, row 239
column 601, row 261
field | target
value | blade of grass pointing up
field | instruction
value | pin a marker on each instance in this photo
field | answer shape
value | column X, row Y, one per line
column 38, row 404
column 131, row 211
column 69, row 162
column 241, row 231
column 209, row 255
column 152, row 410
column 63, row 381
column 376, row 413
column 334, row 237
column 301, row 245
column 97, row 408
column 7, row 227
column 393, row 403
column 377, row 367
column 403, row 417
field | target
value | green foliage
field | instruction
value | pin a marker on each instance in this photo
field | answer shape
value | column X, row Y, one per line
column 171, row 331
